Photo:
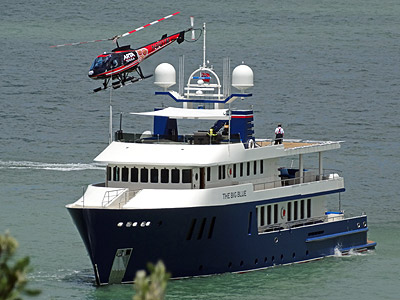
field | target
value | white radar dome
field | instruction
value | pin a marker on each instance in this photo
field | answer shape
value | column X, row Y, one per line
column 242, row 77
column 165, row 75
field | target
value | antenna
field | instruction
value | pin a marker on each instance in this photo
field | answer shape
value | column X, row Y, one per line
column 204, row 45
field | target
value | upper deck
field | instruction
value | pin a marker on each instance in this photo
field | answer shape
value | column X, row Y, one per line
column 151, row 150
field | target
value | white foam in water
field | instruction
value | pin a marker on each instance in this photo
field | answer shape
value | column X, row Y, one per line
column 49, row 166
column 350, row 253
column 338, row 253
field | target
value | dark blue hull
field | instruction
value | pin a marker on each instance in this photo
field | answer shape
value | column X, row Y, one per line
column 204, row 240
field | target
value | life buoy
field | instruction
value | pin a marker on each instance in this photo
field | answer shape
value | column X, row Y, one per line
column 250, row 143
column 229, row 171
column 283, row 212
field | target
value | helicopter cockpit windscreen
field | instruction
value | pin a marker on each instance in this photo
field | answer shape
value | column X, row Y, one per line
column 100, row 62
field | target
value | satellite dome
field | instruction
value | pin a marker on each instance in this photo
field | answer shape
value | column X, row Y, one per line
column 165, row 75
column 242, row 77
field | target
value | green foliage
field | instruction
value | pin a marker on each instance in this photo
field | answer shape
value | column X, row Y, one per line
column 151, row 287
column 13, row 279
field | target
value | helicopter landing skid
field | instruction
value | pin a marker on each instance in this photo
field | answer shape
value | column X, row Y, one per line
column 117, row 84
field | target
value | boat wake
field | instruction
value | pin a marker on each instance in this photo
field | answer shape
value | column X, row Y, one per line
column 350, row 253
column 83, row 277
column 67, row 167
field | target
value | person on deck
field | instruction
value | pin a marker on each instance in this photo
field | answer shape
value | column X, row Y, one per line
column 279, row 134
column 226, row 129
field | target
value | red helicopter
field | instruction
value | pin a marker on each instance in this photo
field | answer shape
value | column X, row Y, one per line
column 118, row 63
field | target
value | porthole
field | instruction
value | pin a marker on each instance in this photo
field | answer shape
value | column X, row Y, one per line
column 120, row 224
column 230, row 265
column 281, row 256
column 148, row 223
column 256, row 261
column 241, row 263
column 294, row 255
column 134, row 224
column 265, row 259
column 128, row 224
column 276, row 240
column 143, row 224
column 358, row 225
column 365, row 224
column 273, row 258
column 307, row 253
column 200, row 267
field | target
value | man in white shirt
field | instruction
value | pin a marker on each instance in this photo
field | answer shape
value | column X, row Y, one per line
column 279, row 134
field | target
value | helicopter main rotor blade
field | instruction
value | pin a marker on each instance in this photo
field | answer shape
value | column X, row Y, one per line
column 80, row 43
column 147, row 25
column 114, row 38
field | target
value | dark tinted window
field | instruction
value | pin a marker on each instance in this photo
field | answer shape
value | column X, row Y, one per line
column 108, row 173
column 164, row 176
column 125, row 174
column 144, row 175
column 175, row 176
column 154, row 175
column 186, row 176
column 134, row 175
column 116, row 173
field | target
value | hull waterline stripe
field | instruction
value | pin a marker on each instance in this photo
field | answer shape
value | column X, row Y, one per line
column 335, row 235
column 366, row 246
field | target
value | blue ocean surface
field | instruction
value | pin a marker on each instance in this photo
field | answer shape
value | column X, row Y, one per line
column 327, row 70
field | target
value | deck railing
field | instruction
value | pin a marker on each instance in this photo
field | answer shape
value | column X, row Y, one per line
column 291, row 224
column 109, row 196
column 309, row 176
column 118, row 198
column 198, row 138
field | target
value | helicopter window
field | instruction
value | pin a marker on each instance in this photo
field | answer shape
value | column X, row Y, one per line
column 100, row 61
column 115, row 63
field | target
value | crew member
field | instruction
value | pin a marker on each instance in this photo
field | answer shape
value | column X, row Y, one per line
column 279, row 134
column 226, row 129
column 212, row 135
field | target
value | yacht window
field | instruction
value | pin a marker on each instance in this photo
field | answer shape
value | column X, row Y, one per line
column 308, row 208
column 248, row 168
column 186, row 176
column 234, row 171
column 116, row 173
column 269, row 214
column 261, row 167
column 262, row 215
column 241, row 169
column 302, row 209
column 289, row 211
column 223, row 172
column 255, row 167
column 208, row 173
column 175, row 176
column 134, row 175
column 275, row 213
column 219, row 172
column 124, row 174
column 144, row 175
column 295, row 212
column 164, row 176
column 109, row 173
column 154, row 175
